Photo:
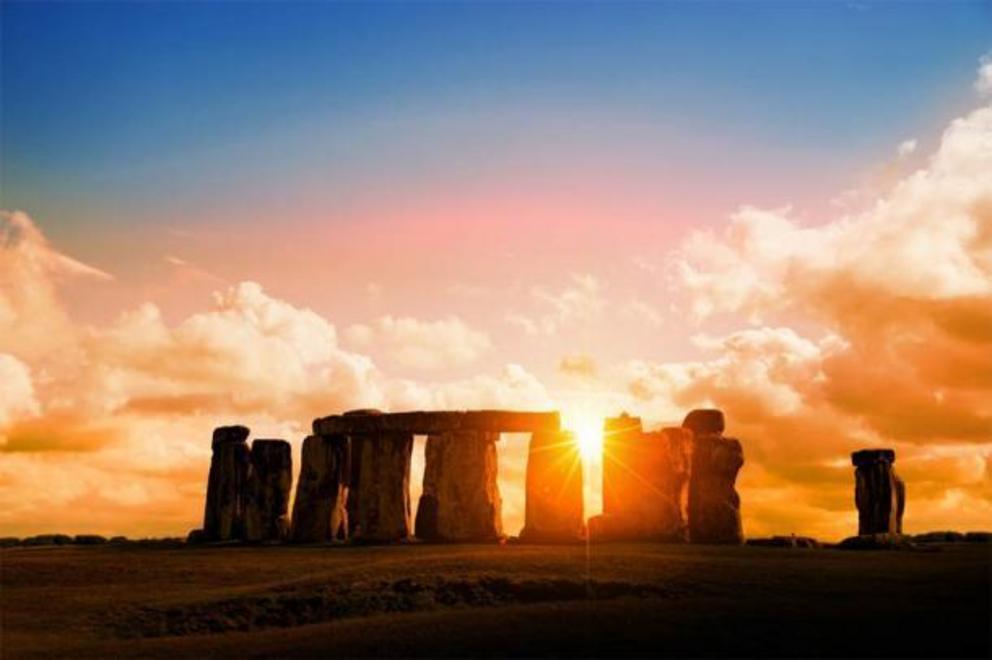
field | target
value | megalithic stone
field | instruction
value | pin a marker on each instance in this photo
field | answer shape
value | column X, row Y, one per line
column 553, row 511
column 624, row 474
column 879, row 494
column 714, row 505
column 269, row 483
column 383, row 487
column 461, row 499
column 319, row 510
column 230, row 464
column 668, row 515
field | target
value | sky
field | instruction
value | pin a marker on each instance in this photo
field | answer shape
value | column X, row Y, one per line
column 267, row 212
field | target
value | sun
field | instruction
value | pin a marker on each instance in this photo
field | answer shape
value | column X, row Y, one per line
column 590, row 438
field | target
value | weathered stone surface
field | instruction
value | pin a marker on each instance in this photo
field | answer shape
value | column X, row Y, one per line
column 382, row 487
column 878, row 493
column 714, row 505
column 461, row 499
column 437, row 422
column 267, row 498
column 319, row 509
column 645, row 482
column 224, row 514
column 554, row 511
column 704, row 421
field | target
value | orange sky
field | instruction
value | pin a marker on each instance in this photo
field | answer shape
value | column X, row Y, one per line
column 868, row 326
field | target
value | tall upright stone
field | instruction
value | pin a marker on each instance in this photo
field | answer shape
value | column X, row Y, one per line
column 230, row 465
column 624, row 472
column 461, row 499
column 554, row 511
column 267, row 496
column 645, row 483
column 713, row 503
column 319, row 510
column 382, row 505
column 879, row 493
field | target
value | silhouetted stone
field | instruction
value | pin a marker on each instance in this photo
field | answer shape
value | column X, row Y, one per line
column 319, row 510
column 880, row 541
column 382, row 503
column 195, row 537
column 554, row 510
column 224, row 514
column 461, row 499
column 714, row 505
column 645, row 482
column 704, row 421
column 89, row 539
column 792, row 541
column 879, row 494
column 47, row 539
column 267, row 499
column 365, row 422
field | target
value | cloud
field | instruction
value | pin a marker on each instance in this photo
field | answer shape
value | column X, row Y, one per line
column 578, row 366
column 17, row 399
column 427, row 345
column 577, row 304
column 983, row 84
column 906, row 148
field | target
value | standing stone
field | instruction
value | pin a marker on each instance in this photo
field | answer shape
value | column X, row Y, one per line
column 269, row 482
column 230, row 464
column 319, row 510
column 554, row 511
column 645, row 482
column 714, row 505
column 879, row 494
column 354, row 473
column 383, row 487
column 460, row 500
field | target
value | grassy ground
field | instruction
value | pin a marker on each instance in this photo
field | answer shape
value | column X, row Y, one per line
column 516, row 600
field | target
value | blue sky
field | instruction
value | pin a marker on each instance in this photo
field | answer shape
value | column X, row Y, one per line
column 132, row 106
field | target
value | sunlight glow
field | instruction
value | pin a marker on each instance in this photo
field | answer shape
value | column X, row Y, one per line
column 590, row 439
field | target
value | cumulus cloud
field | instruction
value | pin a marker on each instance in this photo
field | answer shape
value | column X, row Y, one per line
column 895, row 306
column 428, row 345
column 579, row 303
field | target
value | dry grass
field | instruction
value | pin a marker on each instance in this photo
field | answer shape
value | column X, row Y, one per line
column 631, row 599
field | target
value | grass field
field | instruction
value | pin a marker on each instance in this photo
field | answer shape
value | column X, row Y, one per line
column 636, row 599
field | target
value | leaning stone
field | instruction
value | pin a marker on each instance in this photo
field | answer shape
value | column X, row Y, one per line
column 224, row 514
column 382, row 511
column 714, row 505
column 267, row 498
column 89, row 539
column 704, row 421
column 879, row 494
column 461, row 499
column 553, row 511
column 319, row 510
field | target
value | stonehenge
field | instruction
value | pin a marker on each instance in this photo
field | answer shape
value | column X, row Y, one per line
column 713, row 503
column 645, row 482
column 554, row 507
column 319, row 509
column 675, row 484
column 267, row 495
column 230, row 463
column 879, row 493
column 460, row 499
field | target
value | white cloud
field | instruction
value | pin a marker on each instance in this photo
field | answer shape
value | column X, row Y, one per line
column 428, row 345
column 906, row 147
column 983, row 84
column 577, row 304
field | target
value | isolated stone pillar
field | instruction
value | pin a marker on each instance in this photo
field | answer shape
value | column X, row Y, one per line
column 230, row 464
column 319, row 510
column 382, row 506
column 880, row 495
column 624, row 472
column 554, row 511
column 714, row 505
column 460, row 500
column 269, row 482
